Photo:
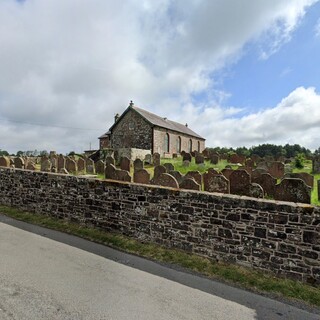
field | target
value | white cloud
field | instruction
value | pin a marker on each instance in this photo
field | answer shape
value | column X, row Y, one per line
column 75, row 63
column 296, row 119
column 317, row 29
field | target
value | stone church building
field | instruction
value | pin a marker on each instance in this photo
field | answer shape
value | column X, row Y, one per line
column 140, row 129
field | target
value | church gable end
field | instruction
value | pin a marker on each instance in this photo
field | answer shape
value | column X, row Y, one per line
column 132, row 131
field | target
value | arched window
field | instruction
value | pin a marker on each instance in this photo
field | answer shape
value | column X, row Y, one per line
column 178, row 144
column 166, row 142
column 190, row 145
column 198, row 146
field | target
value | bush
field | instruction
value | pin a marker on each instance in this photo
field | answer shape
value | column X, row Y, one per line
column 299, row 160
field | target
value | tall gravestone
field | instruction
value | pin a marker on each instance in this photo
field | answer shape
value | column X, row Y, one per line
column 71, row 165
column 137, row 165
column 240, row 181
column 18, row 162
column 125, row 163
column 156, row 159
column 4, row 162
column 81, row 165
column 100, row 167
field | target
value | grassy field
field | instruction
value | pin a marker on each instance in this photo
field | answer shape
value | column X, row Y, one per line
column 253, row 280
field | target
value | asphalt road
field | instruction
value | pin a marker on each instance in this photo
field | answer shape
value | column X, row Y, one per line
column 46, row 274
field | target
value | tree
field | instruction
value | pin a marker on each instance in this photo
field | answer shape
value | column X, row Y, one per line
column 4, row 153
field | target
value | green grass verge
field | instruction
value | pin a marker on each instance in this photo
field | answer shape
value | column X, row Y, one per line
column 246, row 278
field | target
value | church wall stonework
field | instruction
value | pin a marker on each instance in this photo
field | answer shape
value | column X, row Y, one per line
column 132, row 131
column 159, row 142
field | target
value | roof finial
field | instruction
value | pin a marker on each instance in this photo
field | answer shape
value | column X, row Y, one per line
column 131, row 103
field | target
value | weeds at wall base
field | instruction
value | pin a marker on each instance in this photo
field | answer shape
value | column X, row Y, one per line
column 245, row 278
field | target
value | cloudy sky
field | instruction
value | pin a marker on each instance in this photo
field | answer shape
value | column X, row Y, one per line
column 240, row 73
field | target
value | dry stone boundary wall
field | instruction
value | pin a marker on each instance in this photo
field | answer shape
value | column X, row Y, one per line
column 279, row 237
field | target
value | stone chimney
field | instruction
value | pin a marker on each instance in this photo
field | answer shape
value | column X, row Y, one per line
column 116, row 117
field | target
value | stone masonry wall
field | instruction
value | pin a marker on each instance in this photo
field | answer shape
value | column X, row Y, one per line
column 132, row 132
column 280, row 237
column 159, row 137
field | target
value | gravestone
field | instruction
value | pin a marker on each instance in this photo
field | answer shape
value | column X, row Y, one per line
column 186, row 157
column 18, row 163
column 306, row 177
column 54, row 161
column 110, row 160
column 169, row 167
column 166, row 180
column 31, row 166
column 316, row 164
column 249, row 163
column 190, row 184
column 158, row 170
column 256, row 191
column 267, row 182
column 237, row 158
column 148, row 159
column 240, row 181
column 122, row 175
column 61, row 162
column 156, row 159
column 196, row 175
column 186, row 163
column 276, row 169
column 71, row 165
column 214, row 159
column 199, row 158
column 125, row 163
column 99, row 167
column 90, row 168
column 258, row 172
column 141, row 176
column 215, row 183
column 46, row 165
column 137, row 165
column 110, row 171
column 205, row 153
column 293, row 190
column 227, row 172
column 179, row 177
column 81, row 165
column 4, row 162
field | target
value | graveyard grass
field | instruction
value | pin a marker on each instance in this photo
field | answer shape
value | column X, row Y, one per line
column 253, row 280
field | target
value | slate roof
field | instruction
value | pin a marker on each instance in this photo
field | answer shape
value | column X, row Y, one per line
column 165, row 123
column 105, row 135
